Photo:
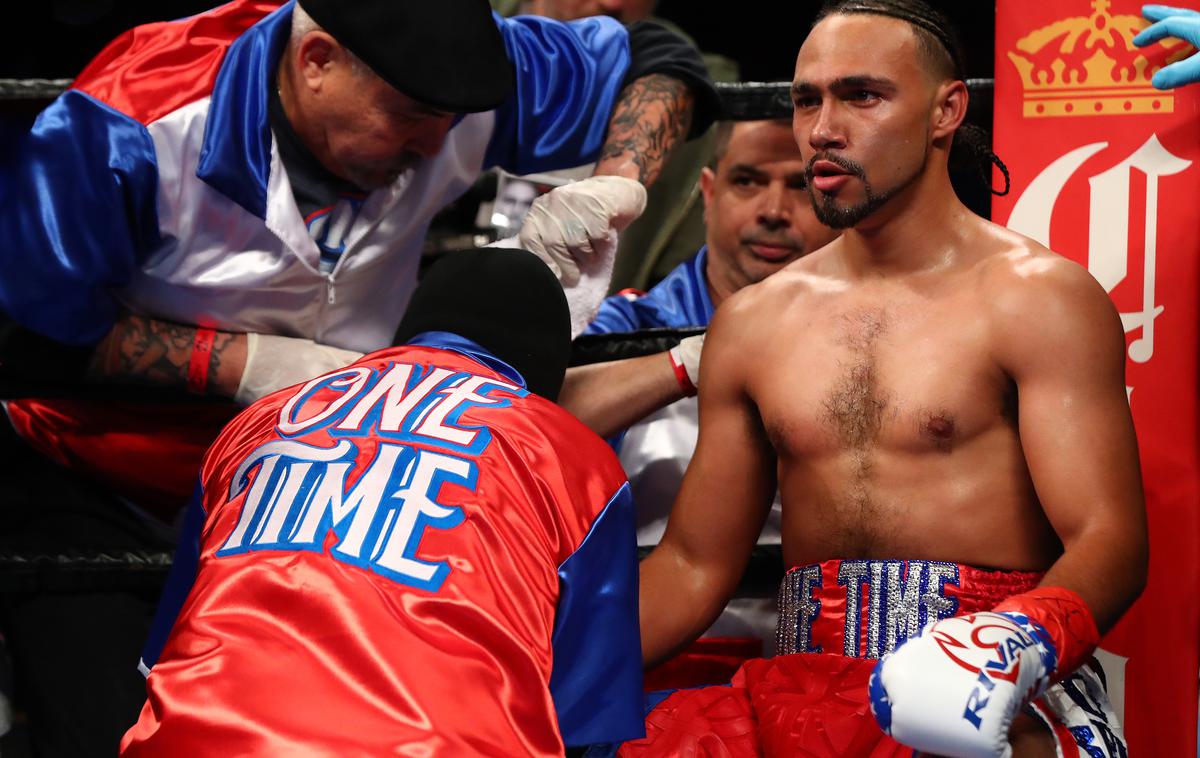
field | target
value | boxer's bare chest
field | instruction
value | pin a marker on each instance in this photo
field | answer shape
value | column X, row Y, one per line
column 880, row 389
column 884, row 367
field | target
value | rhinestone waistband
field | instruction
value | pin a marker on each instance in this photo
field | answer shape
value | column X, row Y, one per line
column 864, row 608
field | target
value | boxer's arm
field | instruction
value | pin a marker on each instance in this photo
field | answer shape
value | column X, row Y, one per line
column 1061, row 341
column 612, row 396
column 722, row 503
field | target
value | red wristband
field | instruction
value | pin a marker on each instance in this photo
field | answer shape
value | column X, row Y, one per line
column 197, row 379
column 681, row 375
column 1065, row 617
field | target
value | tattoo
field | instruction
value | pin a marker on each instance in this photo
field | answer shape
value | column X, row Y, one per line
column 651, row 117
column 149, row 352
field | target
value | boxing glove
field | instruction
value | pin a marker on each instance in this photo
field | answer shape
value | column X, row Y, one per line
column 955, row 688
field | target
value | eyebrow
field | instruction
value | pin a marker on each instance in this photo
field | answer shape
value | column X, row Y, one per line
column 745, row 168
column 847, row 82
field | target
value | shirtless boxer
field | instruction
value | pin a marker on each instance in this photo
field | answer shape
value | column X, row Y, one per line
column 942, row 404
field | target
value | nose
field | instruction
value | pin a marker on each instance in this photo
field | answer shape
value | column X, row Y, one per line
column 775, row 207
column 825, row 131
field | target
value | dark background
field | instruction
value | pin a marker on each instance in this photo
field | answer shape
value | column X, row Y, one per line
column 57, row 37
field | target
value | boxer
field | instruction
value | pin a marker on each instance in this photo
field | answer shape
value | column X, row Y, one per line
column 941, row 403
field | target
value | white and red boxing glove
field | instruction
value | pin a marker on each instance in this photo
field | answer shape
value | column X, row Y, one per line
column 955, row 688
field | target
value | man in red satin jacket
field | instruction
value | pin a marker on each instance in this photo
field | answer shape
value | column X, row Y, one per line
column 419, row 553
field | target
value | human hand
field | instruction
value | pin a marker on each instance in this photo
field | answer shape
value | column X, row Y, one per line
column 1172, row 22
column 570, row 225
column 955, row 688
column 274, row 362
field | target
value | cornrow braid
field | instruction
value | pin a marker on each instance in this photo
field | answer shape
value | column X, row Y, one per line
column 933, row 25
column 978, row 142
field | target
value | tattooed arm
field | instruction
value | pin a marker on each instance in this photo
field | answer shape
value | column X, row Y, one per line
column 652, row 115
column 150, row 352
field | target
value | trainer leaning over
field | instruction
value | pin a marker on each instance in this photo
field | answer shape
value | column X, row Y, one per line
column 236, row 201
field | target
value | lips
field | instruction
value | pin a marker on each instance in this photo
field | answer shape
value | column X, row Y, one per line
column 827, row 168
column 828, row 176
column 771, row 252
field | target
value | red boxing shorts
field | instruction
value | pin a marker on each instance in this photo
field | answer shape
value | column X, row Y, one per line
column 836, row 619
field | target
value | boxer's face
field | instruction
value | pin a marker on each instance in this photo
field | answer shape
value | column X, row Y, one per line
column 757, row 210
column 379, row 132
column 863, row 100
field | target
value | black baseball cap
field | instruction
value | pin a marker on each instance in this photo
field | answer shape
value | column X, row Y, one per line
column 505, row 300
column 444, row 53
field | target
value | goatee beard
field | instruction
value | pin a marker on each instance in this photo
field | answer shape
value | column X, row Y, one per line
column 836, row 216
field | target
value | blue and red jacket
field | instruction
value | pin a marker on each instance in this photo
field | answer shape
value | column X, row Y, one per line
column 153, row 185
column 412, row 555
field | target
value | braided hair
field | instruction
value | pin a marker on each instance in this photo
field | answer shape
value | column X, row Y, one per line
column 939, row 42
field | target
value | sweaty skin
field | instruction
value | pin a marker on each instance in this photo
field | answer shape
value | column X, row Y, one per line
column 930, row 385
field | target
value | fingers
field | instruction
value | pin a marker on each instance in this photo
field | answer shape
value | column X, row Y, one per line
column 625, row 200
column 572, row 223
column 1159, row 12
column 1178, row 74
column 1186, row 28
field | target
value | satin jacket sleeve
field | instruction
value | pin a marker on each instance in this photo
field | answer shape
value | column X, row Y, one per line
column 78, row 216
column 568, row 79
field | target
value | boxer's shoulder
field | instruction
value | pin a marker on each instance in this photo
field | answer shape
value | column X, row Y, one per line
column 794, row 285
column 1037, row 297
column 1011, row 261
column 1043, row 284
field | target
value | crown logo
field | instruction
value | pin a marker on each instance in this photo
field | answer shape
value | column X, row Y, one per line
column 1088, row 66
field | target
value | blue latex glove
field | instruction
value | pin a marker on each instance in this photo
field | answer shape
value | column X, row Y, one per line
column 1172, row 22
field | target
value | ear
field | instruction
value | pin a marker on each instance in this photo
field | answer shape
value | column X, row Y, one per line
column 950, row 108
column 707, row 179
column 316, row 54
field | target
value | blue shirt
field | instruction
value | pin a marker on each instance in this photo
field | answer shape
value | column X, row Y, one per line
column 680, row 300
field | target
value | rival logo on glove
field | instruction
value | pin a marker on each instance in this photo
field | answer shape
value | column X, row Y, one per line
column 1001, row 649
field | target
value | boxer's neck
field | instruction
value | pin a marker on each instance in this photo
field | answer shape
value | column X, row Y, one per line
column 923, row 228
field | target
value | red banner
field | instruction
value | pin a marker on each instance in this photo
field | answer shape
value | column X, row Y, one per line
column 1106, row 171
